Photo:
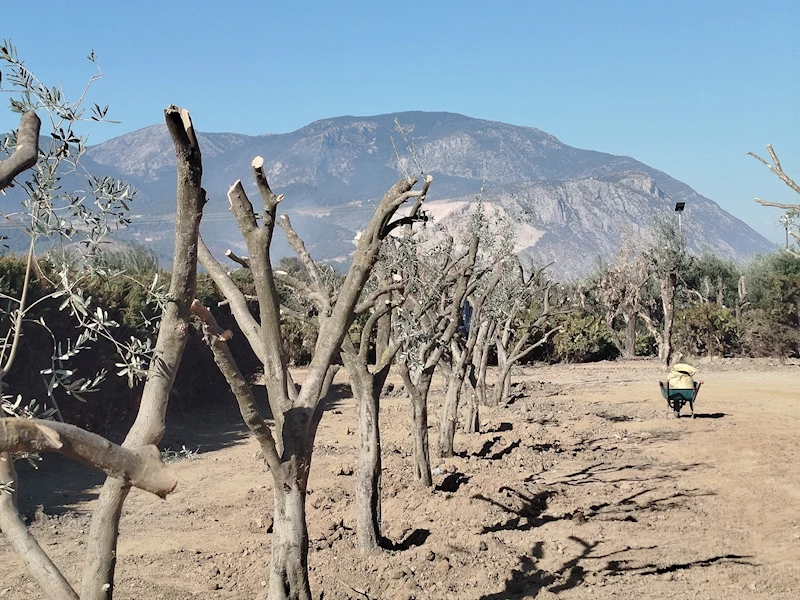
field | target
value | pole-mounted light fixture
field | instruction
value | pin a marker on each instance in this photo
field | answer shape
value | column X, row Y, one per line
column 679, row 206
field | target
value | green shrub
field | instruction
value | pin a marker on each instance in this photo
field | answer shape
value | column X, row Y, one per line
column 705, row 329
column 761, row 335
column 583, row 338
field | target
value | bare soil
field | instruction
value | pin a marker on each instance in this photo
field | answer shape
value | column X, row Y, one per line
column 583, row 487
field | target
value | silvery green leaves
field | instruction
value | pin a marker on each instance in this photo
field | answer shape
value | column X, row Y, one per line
column 84, row 215
column 15, row 407
column 68, row 213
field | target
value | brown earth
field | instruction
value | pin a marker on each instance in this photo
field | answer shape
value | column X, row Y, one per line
column 581, row 488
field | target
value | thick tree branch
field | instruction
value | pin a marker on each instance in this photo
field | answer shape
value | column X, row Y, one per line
column 271, row 201
column 26, row 152
column 322, row 291
column 369, row 301
column 39, row 564
column 258, row 242
column 778, row 204
column 216, row 339
column 140, row 467
column 333, row 329
column 366, row 332
column 238, row 301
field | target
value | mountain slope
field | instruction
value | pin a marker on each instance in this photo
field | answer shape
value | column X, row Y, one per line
column 333, row 170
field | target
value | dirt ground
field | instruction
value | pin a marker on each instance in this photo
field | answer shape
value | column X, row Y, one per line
column 582, row 488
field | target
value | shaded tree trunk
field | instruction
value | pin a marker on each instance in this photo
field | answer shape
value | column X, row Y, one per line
column 473, row 422
column 449, row 412
column 667, row 285
column 367, row 390
column 630, row 335
column 419, row 421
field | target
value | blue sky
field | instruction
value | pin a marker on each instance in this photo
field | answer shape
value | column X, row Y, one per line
column 685, row 86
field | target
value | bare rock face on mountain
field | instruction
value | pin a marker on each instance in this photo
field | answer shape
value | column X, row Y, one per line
column 572, row 206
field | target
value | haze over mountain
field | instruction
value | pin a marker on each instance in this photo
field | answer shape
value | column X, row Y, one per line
column 572, row 205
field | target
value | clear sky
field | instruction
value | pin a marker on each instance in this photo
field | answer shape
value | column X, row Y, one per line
column 686, row 86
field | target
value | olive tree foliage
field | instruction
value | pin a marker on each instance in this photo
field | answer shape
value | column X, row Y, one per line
column 66, row 213
column 526, row 319
column 296, row 409
column 437, row 275
column 82, row 218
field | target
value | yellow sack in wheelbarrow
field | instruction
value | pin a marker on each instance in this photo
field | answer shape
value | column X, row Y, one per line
column 680, row 377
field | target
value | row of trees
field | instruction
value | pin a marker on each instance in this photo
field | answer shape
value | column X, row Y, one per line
column 414, row 298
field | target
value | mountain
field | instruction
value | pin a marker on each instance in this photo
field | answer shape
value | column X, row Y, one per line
column 572, row 205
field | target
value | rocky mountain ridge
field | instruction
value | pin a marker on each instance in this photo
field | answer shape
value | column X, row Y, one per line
column 580, row 202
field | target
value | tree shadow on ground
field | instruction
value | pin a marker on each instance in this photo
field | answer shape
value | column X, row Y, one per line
column 485, row 450
column 526, row 510
column 416, row 538
column 58, row 484
column 210, row 431
column 527, row 580
column 500, row 428
column 716, row 415
column 605, row 473
column 452, row 482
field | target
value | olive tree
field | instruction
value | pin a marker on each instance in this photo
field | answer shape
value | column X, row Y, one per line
column 524, row 321
column 438, row 279
column 49, row 212
column 619, row 289
column 668, row 260
column 296, row 410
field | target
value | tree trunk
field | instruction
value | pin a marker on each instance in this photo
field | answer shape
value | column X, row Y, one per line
column 419, row 422
column 499, row 391
column 502, row 389
column 668, row 285
column 288, row 576
column 630, row 335
column 367, row 389
column 484, row 363
column 148, row 428
column 473, row 423
column 449, row 414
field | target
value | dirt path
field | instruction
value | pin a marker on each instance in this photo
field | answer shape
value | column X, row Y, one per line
column 582, row 488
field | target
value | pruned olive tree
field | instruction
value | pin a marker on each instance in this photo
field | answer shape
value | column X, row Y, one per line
column 618, row 287
column 148, row 428
column 524, row 321
column 48, row 212
column 367, row 378
column 438, row 279
column 296, row 410
column 495, row 235
column 462, row 348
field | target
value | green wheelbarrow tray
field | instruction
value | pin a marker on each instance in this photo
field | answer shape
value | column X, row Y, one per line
column 677, row 398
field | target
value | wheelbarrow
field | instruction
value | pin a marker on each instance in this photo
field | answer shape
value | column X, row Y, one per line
column 677, row 398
